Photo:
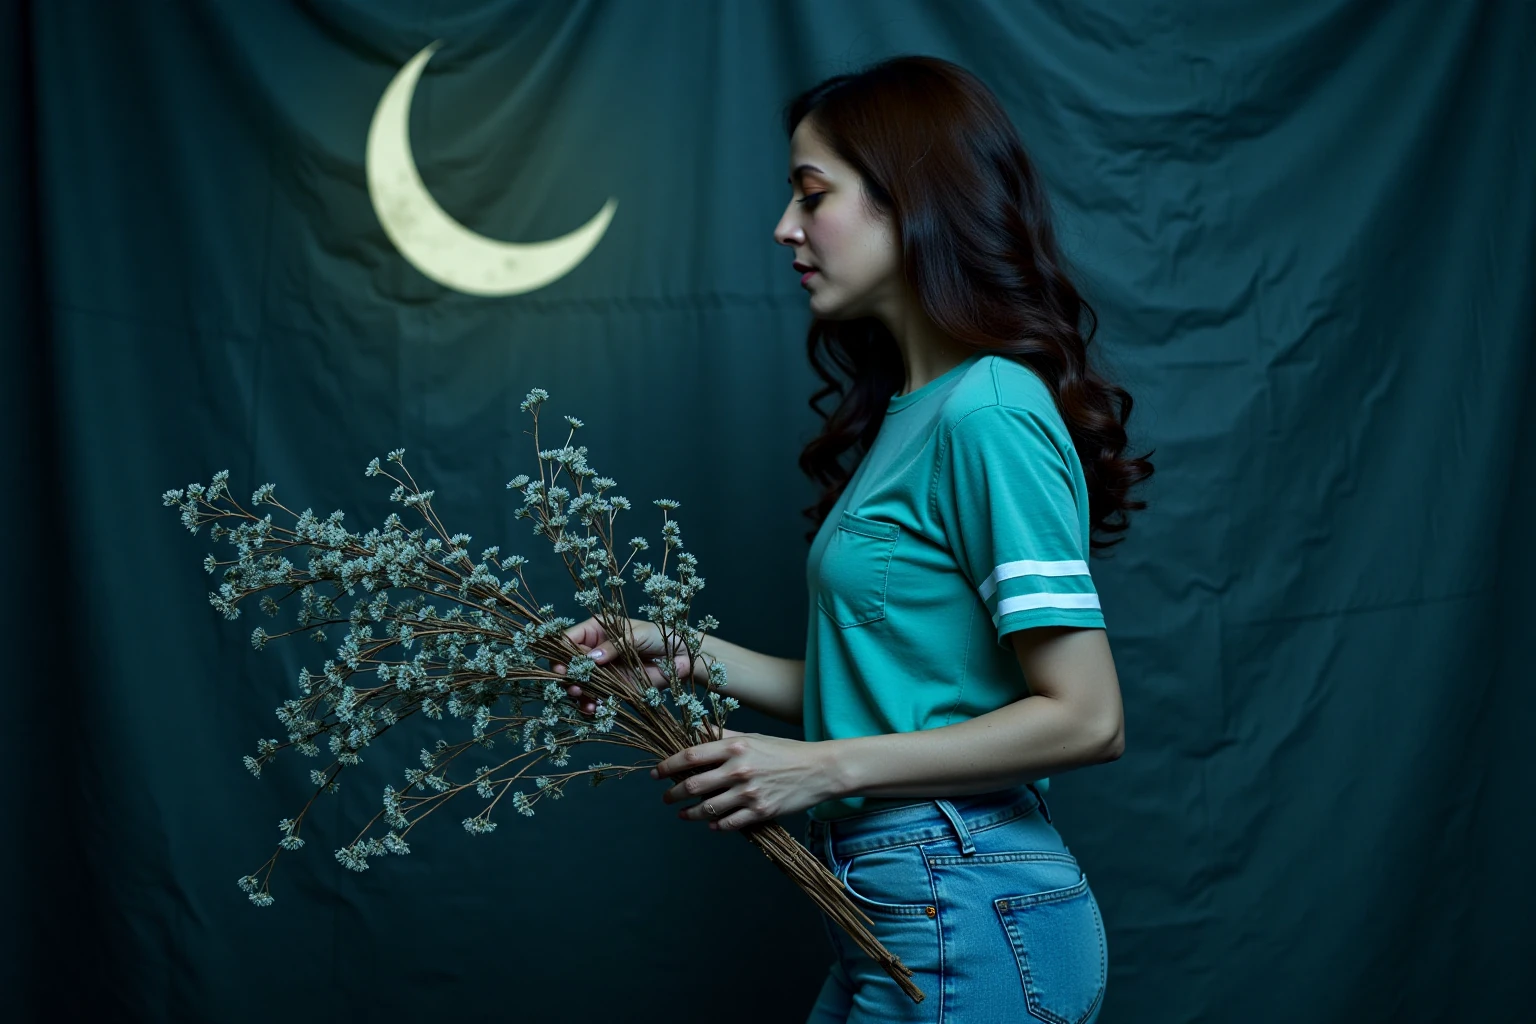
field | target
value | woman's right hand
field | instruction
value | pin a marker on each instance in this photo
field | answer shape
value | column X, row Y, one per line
column 644, row 638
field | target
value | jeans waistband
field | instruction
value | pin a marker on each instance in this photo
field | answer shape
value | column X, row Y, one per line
column 923, row 821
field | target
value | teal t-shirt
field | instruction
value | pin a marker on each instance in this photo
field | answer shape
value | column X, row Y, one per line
column 965, row 521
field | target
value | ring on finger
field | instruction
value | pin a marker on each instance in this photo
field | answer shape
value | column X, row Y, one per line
column 709, row 810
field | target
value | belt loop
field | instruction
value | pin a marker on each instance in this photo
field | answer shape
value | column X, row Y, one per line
column 961, row 832
column 826, row 835
column 1040, row 799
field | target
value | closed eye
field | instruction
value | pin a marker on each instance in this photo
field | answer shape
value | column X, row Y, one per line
column 814, row 195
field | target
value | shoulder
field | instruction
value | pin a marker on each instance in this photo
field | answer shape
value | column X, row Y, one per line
column 999, row 396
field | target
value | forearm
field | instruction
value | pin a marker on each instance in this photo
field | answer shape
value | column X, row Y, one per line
column 1026, row 740
column 774, row 686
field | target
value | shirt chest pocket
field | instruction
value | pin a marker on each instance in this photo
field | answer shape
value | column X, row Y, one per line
column 854, row 570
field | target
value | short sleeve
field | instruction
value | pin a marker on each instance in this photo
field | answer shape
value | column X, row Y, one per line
column 1005, row 496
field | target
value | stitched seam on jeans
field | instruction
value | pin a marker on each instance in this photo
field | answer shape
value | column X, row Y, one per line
column 933, row 889
column 1037, row 899
column 1098, row 919
column 900, row 909
column 1030, row 998
column 853, row 847
column 984, row 821
column 1008, row 857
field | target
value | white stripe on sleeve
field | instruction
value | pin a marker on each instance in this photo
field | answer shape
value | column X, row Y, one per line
column 1030, row 567
column 1024, row 602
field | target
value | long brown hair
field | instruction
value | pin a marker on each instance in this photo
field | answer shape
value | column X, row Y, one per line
column 936, row 151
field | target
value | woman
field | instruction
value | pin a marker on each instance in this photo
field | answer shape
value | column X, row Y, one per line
column 956, row 652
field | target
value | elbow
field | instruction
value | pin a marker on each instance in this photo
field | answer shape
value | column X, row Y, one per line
column 1108, row 742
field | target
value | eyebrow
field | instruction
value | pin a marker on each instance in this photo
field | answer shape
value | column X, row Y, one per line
column 798, row 171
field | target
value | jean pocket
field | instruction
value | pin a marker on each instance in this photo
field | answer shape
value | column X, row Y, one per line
column 1058, row 940
column 891, row 880
column 854, row 568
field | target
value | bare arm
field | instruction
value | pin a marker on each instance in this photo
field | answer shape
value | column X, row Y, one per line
column 1072, row 717
column 774, row 686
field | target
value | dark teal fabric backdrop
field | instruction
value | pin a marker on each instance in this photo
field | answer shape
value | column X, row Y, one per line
column 1308, row 229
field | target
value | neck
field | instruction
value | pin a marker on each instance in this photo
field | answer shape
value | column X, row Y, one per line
column 926, row 351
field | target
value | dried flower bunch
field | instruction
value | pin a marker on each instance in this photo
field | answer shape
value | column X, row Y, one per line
column 442, row 632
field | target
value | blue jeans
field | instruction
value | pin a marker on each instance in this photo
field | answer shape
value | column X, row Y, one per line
column 979, row 896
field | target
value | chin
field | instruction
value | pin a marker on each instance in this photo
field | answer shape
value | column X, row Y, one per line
column 826, row 310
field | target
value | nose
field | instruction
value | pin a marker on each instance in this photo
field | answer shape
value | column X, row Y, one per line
column 787, row 231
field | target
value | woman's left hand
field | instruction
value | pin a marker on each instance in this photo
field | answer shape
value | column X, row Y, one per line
column 757, row 778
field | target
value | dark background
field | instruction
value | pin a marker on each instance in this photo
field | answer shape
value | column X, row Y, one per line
column 1308, row 229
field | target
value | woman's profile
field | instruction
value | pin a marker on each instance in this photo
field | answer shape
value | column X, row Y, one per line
column 968, row 461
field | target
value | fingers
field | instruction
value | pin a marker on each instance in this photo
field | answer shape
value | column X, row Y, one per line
column 723, row 811
column 680, row 663
column 586, row 634
column 709, row 787
column 590, row 637
column 698, row 756
column 722, row 804
column 728, row 821
column 587, row 707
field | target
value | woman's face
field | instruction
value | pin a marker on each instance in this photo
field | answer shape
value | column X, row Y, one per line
column 854, row 253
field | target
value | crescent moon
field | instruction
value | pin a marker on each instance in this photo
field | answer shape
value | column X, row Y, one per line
column 436, row 244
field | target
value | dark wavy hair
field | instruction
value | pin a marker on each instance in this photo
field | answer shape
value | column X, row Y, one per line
column 936, row 151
